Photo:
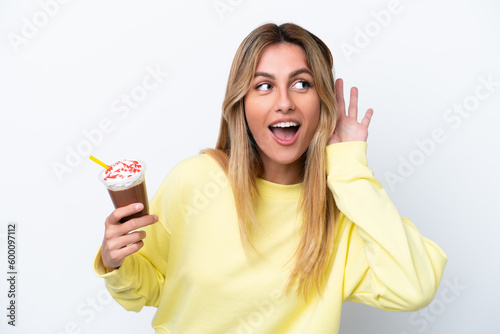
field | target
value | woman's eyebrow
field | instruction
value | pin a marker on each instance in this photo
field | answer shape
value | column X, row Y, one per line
column 293, row 74
column 302, row 70
column 264, row 74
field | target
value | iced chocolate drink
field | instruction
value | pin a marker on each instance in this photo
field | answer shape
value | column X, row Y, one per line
column 126, row 184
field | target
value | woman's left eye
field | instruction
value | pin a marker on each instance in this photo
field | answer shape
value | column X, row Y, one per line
column 264, row 87
column 302, row 85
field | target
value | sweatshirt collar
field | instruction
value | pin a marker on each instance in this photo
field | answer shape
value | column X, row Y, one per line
column 277, row 191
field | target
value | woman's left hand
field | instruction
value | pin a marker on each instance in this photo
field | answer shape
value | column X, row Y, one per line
column 348, row 128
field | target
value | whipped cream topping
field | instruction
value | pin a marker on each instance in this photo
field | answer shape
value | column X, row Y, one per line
column 123, row 174
column 122, row 170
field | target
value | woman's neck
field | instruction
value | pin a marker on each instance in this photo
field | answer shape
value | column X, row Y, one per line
column 285, row 174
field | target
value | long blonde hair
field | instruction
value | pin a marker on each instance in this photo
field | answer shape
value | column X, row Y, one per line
column 236, row 151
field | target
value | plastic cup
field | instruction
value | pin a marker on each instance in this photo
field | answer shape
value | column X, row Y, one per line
column 127, row 191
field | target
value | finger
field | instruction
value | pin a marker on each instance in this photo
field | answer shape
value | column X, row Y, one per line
column 339, row 93
column 353, row 104
column 128, row 239
column 110, row 250
column 136, row 223
column 117, row 256
column 130, row 249
column 368, row 116
column 116, row 215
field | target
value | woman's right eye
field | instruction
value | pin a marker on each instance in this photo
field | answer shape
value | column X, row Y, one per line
column 264, row 87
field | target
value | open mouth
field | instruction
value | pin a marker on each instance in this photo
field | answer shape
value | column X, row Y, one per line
column 284, row 130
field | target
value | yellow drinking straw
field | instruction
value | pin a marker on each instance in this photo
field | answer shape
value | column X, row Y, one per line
column 99, row 162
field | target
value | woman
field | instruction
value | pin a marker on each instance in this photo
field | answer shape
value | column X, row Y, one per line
column 280, row 224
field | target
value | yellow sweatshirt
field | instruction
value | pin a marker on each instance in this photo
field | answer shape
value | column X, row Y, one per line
column 194, row 269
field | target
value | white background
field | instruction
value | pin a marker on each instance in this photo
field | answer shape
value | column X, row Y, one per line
column 70, row 71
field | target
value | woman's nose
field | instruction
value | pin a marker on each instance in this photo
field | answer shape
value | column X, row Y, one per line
column 284, row 102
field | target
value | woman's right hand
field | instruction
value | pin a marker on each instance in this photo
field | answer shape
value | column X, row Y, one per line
column 121, row 240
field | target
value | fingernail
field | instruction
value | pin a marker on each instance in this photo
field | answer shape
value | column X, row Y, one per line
column 138, row 206
column 156, row 218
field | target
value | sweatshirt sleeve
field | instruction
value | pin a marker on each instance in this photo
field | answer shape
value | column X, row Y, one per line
column 140, row 279
column 389, row 264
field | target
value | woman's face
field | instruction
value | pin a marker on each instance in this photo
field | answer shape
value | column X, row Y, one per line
column 282, row 110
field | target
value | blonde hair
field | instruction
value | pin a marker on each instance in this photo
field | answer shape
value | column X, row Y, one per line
column 236, row 151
